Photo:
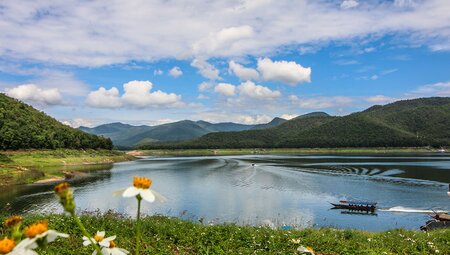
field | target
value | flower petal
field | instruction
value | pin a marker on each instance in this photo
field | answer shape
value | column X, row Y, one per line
column 53, row 234
column 105, row 242
column 147, row 195
column 101, row 233
column 131, row 192
column 159, row 197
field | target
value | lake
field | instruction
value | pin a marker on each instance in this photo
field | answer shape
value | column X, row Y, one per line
column 292, row 190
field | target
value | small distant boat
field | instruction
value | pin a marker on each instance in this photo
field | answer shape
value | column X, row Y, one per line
column 355, row 205
column 441, row 216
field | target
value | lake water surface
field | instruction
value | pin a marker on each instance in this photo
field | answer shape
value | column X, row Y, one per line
column 277, row 190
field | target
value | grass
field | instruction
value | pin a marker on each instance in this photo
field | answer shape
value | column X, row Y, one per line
column 27, row 166
column 211, row 152
column 163, row 235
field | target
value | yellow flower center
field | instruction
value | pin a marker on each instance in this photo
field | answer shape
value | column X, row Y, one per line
column 112, row 244
column 36, row 229
column 142, row 182
column 62, row 187
column 6, row 245
column 309, row 248
column 13, row 221
column 98, row 238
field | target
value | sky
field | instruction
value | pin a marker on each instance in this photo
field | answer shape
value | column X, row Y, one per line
column 246, row 61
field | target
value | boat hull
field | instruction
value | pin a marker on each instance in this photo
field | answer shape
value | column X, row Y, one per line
column 354, row 207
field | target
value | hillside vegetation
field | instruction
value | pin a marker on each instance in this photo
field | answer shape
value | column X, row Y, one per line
column 407, row 123
column 127, row 136
column 23, row 127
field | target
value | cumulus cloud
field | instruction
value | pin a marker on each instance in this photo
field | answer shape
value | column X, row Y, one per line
column 202, row 96
column 204, row 86
column 348, row 4
column 220, row 116
column 242, row 72
column 33, row 94
column 104, row 98
column 251, row 90
column 288, row 72
column 225, row 89
column 175, row 72
column 321, row 102
column 137, row 94
column 206, row 69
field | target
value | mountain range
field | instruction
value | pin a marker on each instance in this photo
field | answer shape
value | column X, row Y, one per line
column 405, row 123
column 127, row 136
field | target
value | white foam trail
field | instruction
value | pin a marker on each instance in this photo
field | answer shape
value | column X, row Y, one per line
column 410, row 210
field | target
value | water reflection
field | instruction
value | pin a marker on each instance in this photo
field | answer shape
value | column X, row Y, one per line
column 280, row 190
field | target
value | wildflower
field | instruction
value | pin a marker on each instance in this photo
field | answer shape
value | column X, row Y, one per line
column 141, row 189
column 113, row 250
column 6, row 245
column 39, row 231
column 107, row 245
column 304, row 250
column 295, row 241
column 13, row 221
column 9, row 247
column 65, row 195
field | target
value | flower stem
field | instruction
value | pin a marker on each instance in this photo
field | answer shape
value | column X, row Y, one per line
column 84, row 231
column 138, row 224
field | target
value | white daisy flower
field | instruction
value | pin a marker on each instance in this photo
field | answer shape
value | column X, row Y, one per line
column 141, row 187
column 99, row 239
column 24, row 248
column 114, row 251
column 303, row 250
column 39, row 231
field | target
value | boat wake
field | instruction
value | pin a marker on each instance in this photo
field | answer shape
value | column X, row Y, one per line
column 410, row 210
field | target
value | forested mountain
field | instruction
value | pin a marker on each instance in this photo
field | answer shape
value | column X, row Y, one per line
column 275, row 122
column 416, row 122
column 124, row 135
column 23, row 127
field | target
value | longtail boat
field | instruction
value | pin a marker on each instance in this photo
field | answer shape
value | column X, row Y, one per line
column 355, row 205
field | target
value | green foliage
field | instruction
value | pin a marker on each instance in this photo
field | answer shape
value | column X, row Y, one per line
column 407, row 123
column 23, row 127
column 163, row 235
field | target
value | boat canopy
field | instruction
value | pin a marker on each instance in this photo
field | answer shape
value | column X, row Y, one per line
column 364, row 203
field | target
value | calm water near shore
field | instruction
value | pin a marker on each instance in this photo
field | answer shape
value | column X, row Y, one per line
column 277, row 190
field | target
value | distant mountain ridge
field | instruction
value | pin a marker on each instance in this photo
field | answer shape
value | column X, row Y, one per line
column 406, row 123
column 125, row 135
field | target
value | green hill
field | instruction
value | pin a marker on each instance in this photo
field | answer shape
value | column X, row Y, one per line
column 23, row 127
column 124, row 135
column 416, row 122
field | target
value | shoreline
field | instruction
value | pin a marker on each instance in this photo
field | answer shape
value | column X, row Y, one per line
column 44, row 166
column 277, row 151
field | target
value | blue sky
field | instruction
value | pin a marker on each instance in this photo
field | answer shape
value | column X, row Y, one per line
column 153, row 62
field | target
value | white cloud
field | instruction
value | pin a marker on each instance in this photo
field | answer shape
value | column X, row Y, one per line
column 202, row 96
column 321, row 102
column 204, row 86
column 78, row 122
column 251, row 90
column 104, row 98
column 118, row 32
column 436, row 89
column 219, row 116
column 225, row 89
column 33, row 94
column 242, row 72
column 290, row 72
column 380, row 99
column 137, row 94
column 175, row 72
column 206, row 69
column 348, row 4
column 227, row 39
column 158, row 72
column 288, row 116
